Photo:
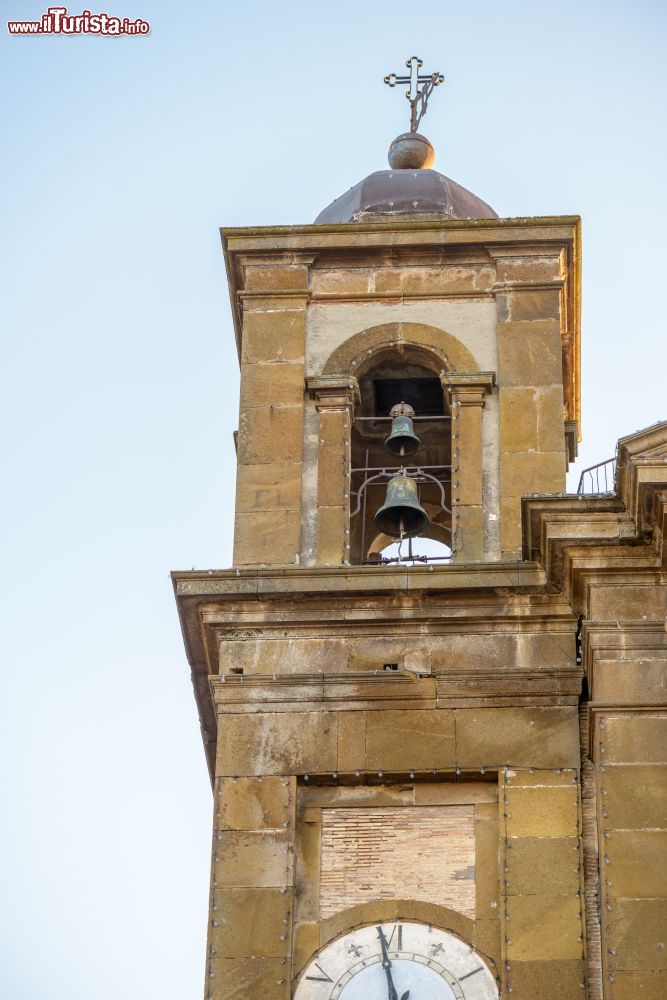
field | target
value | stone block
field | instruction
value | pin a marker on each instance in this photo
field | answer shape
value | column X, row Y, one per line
column 550, row 419
column 639, row 986
column 332, row 480
column 636, row 862
column 629, row 602
column 637, row 933
column 307, row 871
column 268, row 538
column 342, row 281
column 251, row 922
column 543, row 928
column 270, row 434
column 306, row 943
column 486, row 865
column 331, row 536
column 540, row 776
column 510, row 525
column 248, row 978
column 268, row 487
column 285, row 278
column 635, row 797
column 518, row 419
column 252, row 859
column 277, row 743
column 408, row 739
column 273, row 335
column 486, row 938
column 519, row 737
column 636, row 738
column 531, row 304
column 543, row 866
column 530, row 354
column 532, row 269
column 255, row 803
column 351, row 741
column 448, row 279
column 561, row 980
column 277, row 383
column 542, row 812
column 469, row 543
column 539, row 472
column 627, row 680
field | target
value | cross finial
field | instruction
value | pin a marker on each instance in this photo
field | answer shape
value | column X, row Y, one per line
column 418, row 98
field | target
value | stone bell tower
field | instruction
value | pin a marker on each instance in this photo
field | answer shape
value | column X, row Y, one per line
column 392, row 724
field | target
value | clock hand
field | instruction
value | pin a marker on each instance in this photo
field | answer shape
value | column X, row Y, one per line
column 386, row 965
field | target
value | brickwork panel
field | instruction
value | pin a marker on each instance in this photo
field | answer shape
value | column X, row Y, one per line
column 424, row 852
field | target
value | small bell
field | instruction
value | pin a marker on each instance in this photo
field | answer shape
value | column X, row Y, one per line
column 401, row 514
column 402, row 440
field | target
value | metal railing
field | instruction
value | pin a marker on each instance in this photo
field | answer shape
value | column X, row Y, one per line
column 600, row 478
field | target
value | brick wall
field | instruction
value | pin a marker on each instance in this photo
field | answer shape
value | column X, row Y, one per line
column 424, row 853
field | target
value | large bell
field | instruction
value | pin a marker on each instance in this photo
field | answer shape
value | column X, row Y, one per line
column 401, row 513
column 402, row 440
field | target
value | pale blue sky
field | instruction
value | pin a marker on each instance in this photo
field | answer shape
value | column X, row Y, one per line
column 121, row 157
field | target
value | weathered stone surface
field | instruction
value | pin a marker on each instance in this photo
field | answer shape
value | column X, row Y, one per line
column 272, row 384
column 543, row 866
column 332, row 464
column 285, row 277
column 638, row 601
column 252, row 859
column 342, row 281
column 410, row 739
column 635, row 797
column 636, row 738
column 538, row 472
column 520, row 737
column 280, row 743
column 351, row 741
column 248, row 978
column 267, row 538
column 518, row 423
column 540, row 776
column 637, row 862
column 253, row 803
column 561, row 980
column 307, row 868
column 626, row 680
column 269, row 434
column 530, row 353
column 274, row 336
column 638, row 934
column 331, row 536
column 541, row 812
column 531, row 269
column 527, row 304
column 268, row 487
column 306, row 943
column 448, row 279
column 251, row 922
column 550, row 419
column 486, row 865
column 639, row 986
column 543, row 928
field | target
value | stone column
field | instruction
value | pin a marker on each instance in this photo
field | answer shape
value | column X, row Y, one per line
column 335, row 398
column 466, row 394
column 270, row 439
column 542, row 918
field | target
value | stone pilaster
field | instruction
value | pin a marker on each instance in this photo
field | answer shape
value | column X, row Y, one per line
column 335, row 398
column 467, row 394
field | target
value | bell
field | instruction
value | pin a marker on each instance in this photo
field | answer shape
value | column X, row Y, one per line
column 402, row 440
column 401, row 513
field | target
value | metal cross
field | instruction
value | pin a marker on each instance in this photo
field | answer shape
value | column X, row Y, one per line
column 418, row 98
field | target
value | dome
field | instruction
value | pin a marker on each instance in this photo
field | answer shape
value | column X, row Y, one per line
column 410, row 193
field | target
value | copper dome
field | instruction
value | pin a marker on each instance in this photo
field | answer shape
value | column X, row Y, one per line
column 405, row 194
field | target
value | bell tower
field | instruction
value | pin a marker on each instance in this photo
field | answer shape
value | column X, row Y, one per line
column 389, row 676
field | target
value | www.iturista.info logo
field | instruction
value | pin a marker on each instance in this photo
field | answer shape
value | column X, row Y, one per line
column 56, row 21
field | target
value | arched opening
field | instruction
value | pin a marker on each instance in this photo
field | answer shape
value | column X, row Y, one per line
column 400, row 374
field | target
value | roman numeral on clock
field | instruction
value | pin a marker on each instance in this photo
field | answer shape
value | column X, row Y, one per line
column 398, row 931
column 320, row 979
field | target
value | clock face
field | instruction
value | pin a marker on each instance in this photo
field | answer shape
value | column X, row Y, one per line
column 401, row 961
